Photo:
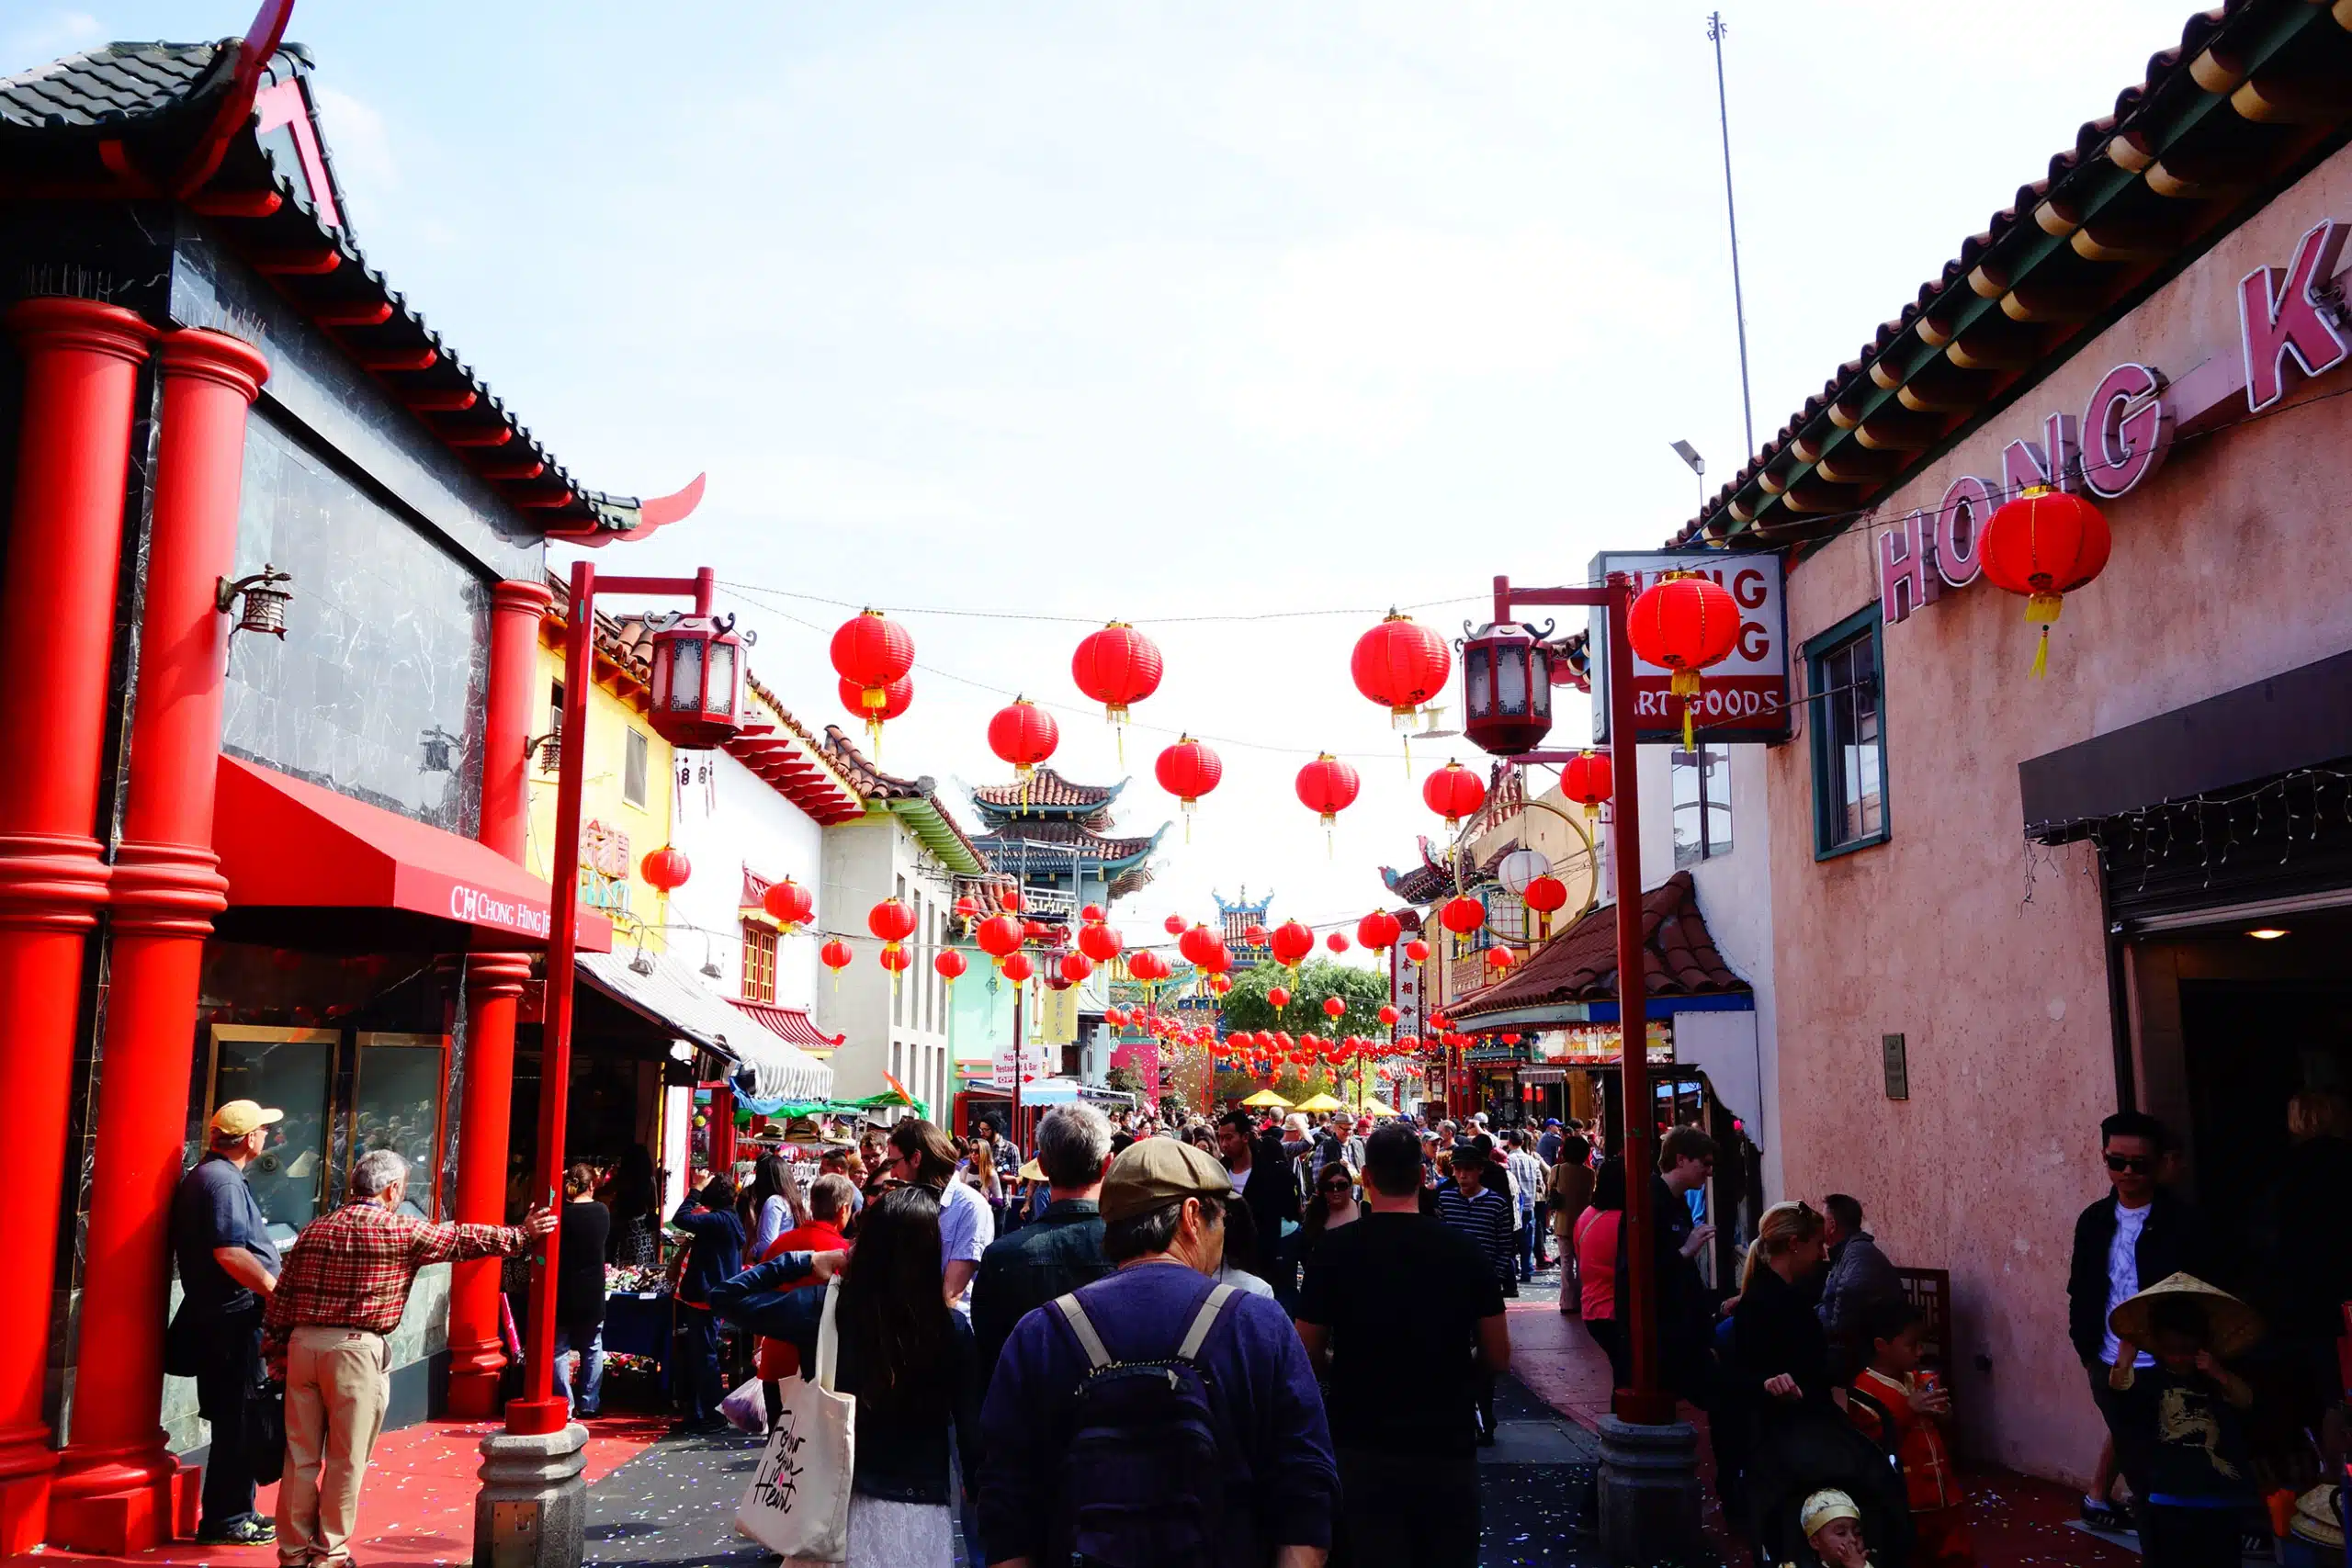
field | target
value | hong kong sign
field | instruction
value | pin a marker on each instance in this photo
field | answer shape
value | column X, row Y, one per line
column 2293, row 324
column 1746, row 698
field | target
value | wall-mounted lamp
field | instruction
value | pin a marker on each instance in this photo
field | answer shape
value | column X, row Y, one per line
column 265, row 600
column 437, row 744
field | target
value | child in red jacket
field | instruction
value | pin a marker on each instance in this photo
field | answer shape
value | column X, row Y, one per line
column 1903, row 1413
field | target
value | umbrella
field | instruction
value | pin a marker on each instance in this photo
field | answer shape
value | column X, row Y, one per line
column 1268, row 1098
column 1321, row 1103
column 1375, row 1106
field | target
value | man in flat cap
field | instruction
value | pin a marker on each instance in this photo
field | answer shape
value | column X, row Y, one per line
column 1156, row 1414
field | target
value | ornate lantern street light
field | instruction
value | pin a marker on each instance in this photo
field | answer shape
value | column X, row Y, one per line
column 1507, row 687
column 697, row 679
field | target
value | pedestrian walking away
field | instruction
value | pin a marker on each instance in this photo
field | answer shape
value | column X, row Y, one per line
column 1568, row 1192
column 1062, row 1249
column 1483, row 1216
column 1155, row 1417
column 346, row 1284
column 228, row 1270
column 1399, row 1289
column 922, row 1155
column 716, row 1253
column 830, row 1198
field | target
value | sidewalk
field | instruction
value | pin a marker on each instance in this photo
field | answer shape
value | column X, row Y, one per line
column 2018, row 1520
column 418, row 1508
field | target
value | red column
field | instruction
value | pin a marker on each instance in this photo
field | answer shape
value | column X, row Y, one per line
column 494, row 984
column 57, row 607
column 111, row 1494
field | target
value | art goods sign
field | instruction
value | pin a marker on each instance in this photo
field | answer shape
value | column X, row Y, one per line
column 1746, row 698
column 2293, row 324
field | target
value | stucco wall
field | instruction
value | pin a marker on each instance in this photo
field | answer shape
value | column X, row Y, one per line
column 1987, row 958
column 741, row 823
column 862, row 863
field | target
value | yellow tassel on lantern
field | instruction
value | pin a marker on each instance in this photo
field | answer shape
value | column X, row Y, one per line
column 1685, row 686
column 2042, row 609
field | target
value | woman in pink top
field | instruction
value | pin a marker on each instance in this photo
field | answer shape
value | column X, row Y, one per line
column 1596, row 1241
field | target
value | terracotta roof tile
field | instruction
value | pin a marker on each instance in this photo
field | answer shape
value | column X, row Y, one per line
column 1580, row 963
column 1047, row 789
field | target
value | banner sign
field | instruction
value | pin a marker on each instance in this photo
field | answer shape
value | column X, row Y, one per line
column 1745, row 699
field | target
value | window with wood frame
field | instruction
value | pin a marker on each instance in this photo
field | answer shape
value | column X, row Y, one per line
column 759, row 963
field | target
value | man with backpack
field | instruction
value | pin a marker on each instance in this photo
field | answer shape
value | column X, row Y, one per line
column 1155, row 1417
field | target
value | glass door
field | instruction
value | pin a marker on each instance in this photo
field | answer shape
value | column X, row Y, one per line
column 290, row 1070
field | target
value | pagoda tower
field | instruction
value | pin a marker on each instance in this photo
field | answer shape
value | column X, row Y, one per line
column 1237, row 918
column 1055, row 837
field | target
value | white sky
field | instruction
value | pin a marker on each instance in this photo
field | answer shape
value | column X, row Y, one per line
column 1132, row 310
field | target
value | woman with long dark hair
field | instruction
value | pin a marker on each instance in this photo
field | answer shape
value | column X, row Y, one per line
column 635, row 1239
column 905, row 1356
column 714, row 1255
column 1597, row 1231
column 771, row 1205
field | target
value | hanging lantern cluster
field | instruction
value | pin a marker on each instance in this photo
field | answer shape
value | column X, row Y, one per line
column 872, row 653
column 1117, row 667
column 2045, row 544
column 1684, row 622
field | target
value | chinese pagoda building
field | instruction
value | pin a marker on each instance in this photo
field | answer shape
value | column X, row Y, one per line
column 1054, row 836
column 1237, row 918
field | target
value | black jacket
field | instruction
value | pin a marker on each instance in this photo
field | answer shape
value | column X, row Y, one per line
column 1051, row 1256
column 2174, row 1240
column 1271, row 1192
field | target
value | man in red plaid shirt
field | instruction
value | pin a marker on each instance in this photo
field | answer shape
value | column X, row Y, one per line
column 343, row 1288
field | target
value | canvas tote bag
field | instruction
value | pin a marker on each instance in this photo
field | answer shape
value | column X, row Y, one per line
column 797, row 1504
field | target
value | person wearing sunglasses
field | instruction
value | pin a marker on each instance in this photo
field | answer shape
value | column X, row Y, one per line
column 1332, row 1206
column 2139, row 1233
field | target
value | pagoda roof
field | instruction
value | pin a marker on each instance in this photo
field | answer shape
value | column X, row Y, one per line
column 1055, row 838
column 1422, row 883
column 130, row 122
column 1047, row 794
column 914, row 801
column 2254, row 91
column 1678, row 959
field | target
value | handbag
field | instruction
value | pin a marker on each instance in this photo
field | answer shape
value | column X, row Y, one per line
column 264, row 1433
column 797, row 1503
column 184, row 1343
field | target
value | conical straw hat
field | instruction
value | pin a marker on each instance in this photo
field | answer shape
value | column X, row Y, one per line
column 2232, row 1326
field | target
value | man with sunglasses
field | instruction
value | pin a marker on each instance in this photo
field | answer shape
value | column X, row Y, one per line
column 2141, row 1233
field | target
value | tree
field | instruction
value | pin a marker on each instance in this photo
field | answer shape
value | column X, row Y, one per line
column 1365, row 991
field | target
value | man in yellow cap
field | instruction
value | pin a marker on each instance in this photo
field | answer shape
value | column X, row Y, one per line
column 1157, row 1414
column 228, row 1269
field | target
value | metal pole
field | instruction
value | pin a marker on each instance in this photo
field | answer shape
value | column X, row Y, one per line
column 1738, row 302
column 1643, row 1404
column 1020, row 1144
column 539, row 1411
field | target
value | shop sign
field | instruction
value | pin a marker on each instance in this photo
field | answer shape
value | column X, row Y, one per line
column 603, row 867
column 1528, row 1076
column 1744, row 698
column 1596, row 1044
column 476, row 908
column 1031, row 1067
column 2293, row 324
column 1404, row 989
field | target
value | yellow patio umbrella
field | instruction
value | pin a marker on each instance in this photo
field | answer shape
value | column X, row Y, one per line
column 1321, row 1103
column 1375, row 1106
column 1268, row 1098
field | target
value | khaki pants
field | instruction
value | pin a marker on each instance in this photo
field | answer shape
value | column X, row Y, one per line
column 338, row 1383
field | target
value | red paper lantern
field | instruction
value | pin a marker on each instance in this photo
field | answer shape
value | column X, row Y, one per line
column 1684, row 622
column 1463, row 915
column 890, row 920
column 1188, row 771
column 1389, row 1015
column 1328, row 786
column 870, row 650
column 2045, row 545
column 666, row 868
column 1008, row 897
column 967, row 908
column 1418, row 950
column 1196, row 944
column 788, row 903
column 1254, row 934
column 1217, row 959
column 1546, row 895
column 1337, row 941
column 896, row 697
column 1453, row 792
column 1093, row 914
column 1175, row 925
column 894, row 959
column 1277, row 998
column 1379, row 930
column 949, row 964
column 1401, row 664
column 1018, row 968
column 1290, row 942
column 1333, row 1007
column 1099, row 942
column 1075, row 968
column 1499, row 958
column 999, row 937
column 1588, row 779
column 1116, row 665
column 1023, row 735
column 836, row 956
column 1220, row 984
column 1148, row 966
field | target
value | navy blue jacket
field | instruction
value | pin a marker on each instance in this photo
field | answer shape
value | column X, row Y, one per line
column 717, row 1249
column 902, row 1449
column 1054, row 1253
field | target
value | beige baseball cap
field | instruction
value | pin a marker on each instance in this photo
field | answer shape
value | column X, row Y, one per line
column 1154, row 1171
column 240, row 1117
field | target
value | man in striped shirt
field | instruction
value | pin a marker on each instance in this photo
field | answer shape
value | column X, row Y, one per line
column 1485, row 1216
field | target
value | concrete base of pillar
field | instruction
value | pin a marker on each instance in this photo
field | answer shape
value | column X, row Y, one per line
column 1649, row 1492
column 532, row 1511
column 136, row 1518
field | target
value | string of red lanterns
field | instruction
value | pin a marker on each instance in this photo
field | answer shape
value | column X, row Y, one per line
column 871, row 651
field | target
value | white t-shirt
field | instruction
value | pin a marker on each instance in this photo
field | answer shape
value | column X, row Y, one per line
column 2122, row 1279
column 966, row 1225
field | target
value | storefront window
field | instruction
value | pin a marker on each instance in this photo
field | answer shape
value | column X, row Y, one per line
column 290, row 1070
column 1849, row 745
column 1702, row 803
column 396, row 1104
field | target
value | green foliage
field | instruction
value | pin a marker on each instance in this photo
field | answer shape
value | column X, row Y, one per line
column 1125, row 1080
column 1365, row 991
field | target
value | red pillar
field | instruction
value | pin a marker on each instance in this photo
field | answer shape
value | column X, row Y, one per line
column 494, row 984
column 115, row 1488
column 57, row 608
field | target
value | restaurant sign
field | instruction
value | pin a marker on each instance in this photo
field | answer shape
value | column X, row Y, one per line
column 1596, row 1045
column 2293, row 324
column 1746, row 697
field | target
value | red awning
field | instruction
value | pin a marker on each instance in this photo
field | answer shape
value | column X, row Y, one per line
column 791, row 1025
column 287, row 844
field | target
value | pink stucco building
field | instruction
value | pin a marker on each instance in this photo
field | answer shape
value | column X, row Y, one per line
column 2005, row 907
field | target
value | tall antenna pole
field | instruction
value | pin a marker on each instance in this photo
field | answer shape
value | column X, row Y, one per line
column 1739, row 305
